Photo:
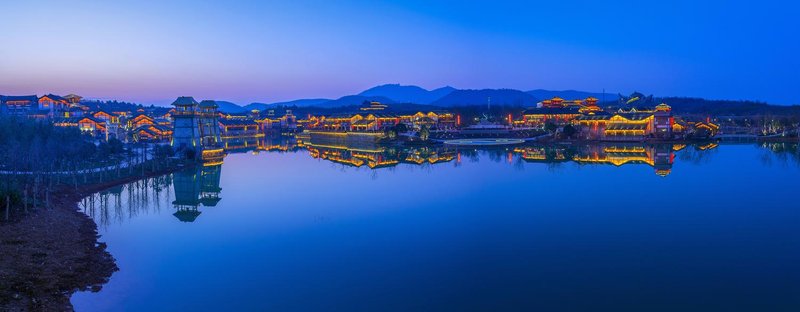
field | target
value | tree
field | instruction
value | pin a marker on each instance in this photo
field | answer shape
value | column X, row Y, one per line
column 550, row 127
column 569, row 131
column 424, row 133
column 400, row 128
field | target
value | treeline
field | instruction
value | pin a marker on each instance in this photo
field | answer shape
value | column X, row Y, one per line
column 699, row 106
column 36, row 158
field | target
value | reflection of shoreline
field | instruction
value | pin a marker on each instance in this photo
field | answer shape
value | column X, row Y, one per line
column 661, row 157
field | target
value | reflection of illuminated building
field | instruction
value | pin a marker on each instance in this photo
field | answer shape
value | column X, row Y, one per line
column 542, row 154
column 660, row 157
column 193, row 188
column 379, row 158
column 354, row 157
column 242, row 144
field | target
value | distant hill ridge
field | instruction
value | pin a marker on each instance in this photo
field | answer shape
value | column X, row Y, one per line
column 408, row 94
column 441, row 97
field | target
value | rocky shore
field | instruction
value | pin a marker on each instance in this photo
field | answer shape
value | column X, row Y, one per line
column 54, row 252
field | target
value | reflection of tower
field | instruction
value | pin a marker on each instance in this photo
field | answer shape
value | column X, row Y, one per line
column 209, row 187
column 187, row 195
column 194, row 187
column 663, row 159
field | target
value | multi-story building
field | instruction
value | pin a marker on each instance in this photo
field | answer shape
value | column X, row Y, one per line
column 194, row 128
column 18, row 105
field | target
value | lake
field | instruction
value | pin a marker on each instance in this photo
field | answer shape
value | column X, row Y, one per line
column 290, row 227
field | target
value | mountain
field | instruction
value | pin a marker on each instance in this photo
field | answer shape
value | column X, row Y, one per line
column 481, row 97
column 258, row 106
column 540, row 94
column 407, row 94
column 355, row 100
column 228, row 107
column 301, row 102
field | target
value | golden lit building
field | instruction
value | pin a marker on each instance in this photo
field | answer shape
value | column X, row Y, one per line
column 558, row 112
column 53, row 103
column 18, row 105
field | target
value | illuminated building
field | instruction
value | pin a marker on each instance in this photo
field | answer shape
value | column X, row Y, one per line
column 195, row 128
column 18, row 105
column 381, row 122
column 139, row 121
column 704, row 129
column 272, row 122
column 558, row 112
column 616, row 127
column 53, row 104
column 152, row 133
column 92, row 125
column 440, row 120
column 663, row 121
column 238, row 128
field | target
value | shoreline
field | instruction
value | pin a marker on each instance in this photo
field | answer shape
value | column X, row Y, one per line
column 54, row 251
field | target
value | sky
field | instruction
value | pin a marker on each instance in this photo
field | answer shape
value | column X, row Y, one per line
column 266, row 51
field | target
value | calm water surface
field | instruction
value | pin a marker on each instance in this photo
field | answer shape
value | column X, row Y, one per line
column 717, row 229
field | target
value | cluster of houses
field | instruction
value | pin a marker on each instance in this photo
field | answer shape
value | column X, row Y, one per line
column 623, row 124
column 139, row 124
column 373, row 118
column 131, row 123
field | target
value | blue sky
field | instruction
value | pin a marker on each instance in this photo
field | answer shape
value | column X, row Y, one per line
column 245, row 51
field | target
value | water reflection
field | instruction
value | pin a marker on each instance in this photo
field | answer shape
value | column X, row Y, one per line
column 199, row 188
column 780, row 153
column 196, row 187
column 117, row 204
column 660, row 156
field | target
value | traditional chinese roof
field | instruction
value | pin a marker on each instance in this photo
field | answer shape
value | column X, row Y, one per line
column 53, row 97
column 154, row 126
column 635, row 116
column 105, row 112
column 93, row 119
column 637, row 109
column 146, row 130
column 184, row 101
column 140, row 116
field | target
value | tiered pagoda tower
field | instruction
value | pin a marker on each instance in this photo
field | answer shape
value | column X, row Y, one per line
column 196, row 128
